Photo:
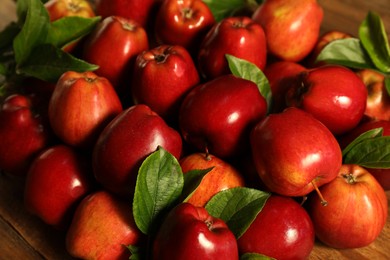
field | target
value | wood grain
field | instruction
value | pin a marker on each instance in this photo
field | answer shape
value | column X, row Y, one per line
column 23, row 236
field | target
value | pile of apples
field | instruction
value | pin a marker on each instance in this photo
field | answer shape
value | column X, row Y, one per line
column 196, row 133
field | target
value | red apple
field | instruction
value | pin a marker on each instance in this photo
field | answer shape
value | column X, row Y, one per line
column 102, row 227
column 217, row 116
column 238, row 36
column 183, row 22
column 162, row 77
column 82, row 104
column 293, row 152
column 356, row 212
column 282, row 230
column 291, row 27
column 125, row 142
column 57, row 180
column 189, row 232
column 223, row 176
column 23, row 133
column 333, row 94
column 113, row 46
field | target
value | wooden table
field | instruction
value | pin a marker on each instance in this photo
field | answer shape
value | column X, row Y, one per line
column 23, row 236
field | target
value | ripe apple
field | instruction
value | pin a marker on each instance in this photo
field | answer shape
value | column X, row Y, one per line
column 291, row 27
column 218, row 115
column 223, row 176
column 189, row 232
column 356, row 212
column 58, row 178
column 183, row 22
column 162, row 77
column 239, row 36
column 333, row 94
column 282, row 230
column 23, row 133
column 294, row 153
column 82, row 104
column 102, row 227
column 125, row 142
column 115, row 39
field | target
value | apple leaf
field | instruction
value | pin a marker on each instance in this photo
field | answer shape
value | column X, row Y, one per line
column 158, row 187
column 370, row 153
column 48, row 63
column 192, row 179
column 373, row 37
column 238, row 207
column 68, row 29
column 225, row 8
column 387, row 84
column 346, row 52
column 255, row 256
column 34, row 31
column 249, row 71
column 366, row 135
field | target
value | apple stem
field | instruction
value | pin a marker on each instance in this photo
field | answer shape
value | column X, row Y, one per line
column 304, row 199
column 323, row 201
column 207, row 157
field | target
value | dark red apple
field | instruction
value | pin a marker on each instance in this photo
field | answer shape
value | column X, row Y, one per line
column 293, row 152
column 218, row 115
column 282, row 230
column 356, row 212
column 189, row 232
column 125, row 142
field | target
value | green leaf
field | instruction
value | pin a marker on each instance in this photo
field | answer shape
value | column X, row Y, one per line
column 34, row 31
column 247, row 70
column 373, row 36
column 3, row 69
column 21, row 10
column 48, row 63
column 224, row 8
column 387, row 84
column 159, row 185
column 366, row 135
column 238, row 207
column 192, row 179
column 346, row 52
column 370, row 153
column 68, row 29
column 255, row 256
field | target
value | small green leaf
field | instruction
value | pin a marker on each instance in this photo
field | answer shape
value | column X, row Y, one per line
column 34, row 31
column 346, row 52
column 68, row 29
column 249, row 71
column 48, row 63
column 159, row 185
column 366, row 135
column 370, row 153
column 136, row 252
column 387, row 84
column 21, row 10
column 238, row 207
column 224, row 8
column 192, row 179
column 373, row 36
column 255, row 256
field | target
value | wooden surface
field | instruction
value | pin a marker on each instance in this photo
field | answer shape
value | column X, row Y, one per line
column 23, row 236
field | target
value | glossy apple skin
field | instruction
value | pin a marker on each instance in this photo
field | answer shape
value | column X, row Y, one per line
column 282, row 230
column 218, row 115
column 82, row 104
column 291, row 27
column 223, row 176
column 183, row 23
column 356, row 212
column 291, row 150
column 381, row 175
column 137, row 10
column 281, row 75
column 56, row 182
column 102, row 227
column 23, row 133
column 239, row 36
column 115, row 39
column 125, row 142
column 195, row 235
column 162, row 78
column 333, row 94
